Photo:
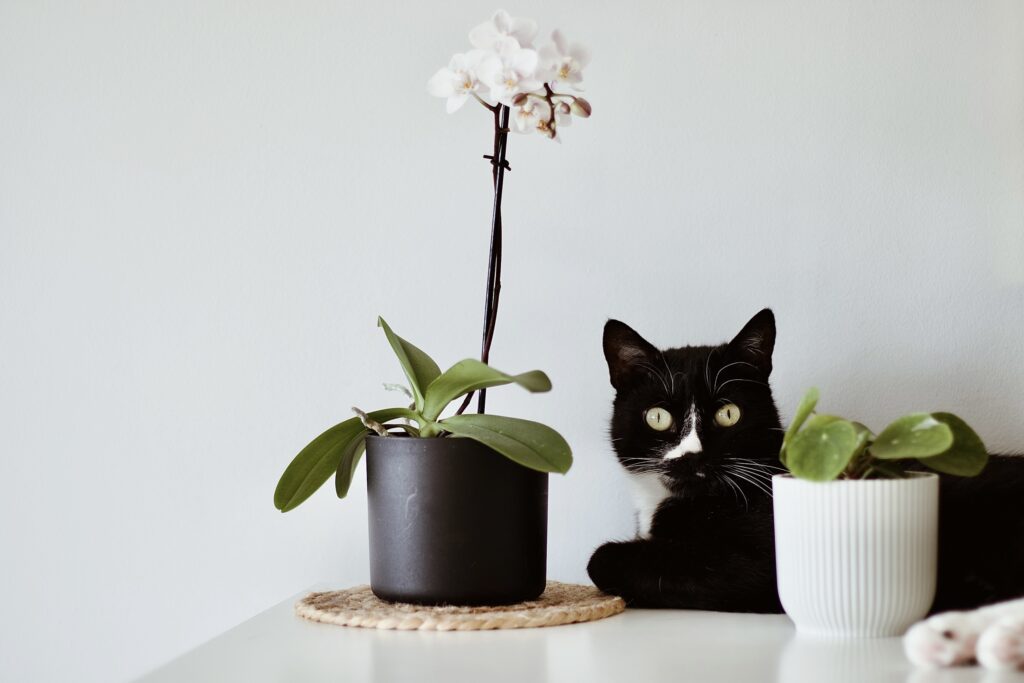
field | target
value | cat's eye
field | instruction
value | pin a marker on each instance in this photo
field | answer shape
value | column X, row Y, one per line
column 658, row 419
column 728, row 415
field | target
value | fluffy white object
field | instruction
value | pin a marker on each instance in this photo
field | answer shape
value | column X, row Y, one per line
column 992, row 635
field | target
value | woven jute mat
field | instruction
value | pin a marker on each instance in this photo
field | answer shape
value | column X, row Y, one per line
column 561, row 603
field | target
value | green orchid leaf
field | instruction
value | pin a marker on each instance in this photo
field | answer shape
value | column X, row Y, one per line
column 419, row 368
column 346, row 469
column 823, row 448
column 803, row 411
column 321, row 457
column 918, row 435
column 469, row 375
column 530, row 444
column 967, row 456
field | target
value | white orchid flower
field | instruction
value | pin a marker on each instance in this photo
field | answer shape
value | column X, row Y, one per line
column 513, row 71
column 490, row 34
column 532, row 114
column 529, row 114
column 564, row 61
column 461, row 78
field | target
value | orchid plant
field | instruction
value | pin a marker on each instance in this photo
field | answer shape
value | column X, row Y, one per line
column 503, row 72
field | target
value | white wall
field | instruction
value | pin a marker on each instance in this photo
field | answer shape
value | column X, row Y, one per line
column 204, row 205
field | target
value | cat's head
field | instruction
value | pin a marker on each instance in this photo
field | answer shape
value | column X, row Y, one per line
column 702, row 418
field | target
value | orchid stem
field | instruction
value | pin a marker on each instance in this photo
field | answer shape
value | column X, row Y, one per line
column 492, row 107
column 499, row 166
column 493, row 291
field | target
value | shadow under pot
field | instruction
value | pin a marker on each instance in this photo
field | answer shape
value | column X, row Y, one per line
column 453, row 522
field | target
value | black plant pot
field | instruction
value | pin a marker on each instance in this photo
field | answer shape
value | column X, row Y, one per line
column 453, row 522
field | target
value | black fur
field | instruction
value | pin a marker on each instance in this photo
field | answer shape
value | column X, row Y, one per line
column 711, row 545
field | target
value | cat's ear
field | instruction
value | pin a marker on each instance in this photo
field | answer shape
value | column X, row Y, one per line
column 756, row 341
column 625, row 351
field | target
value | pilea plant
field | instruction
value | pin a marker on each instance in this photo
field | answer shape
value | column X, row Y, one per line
column 820, row 447
column 337, row 451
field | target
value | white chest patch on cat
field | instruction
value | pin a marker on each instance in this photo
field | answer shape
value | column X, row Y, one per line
column 648, row 493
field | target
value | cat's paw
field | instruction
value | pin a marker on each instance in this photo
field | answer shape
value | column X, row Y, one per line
column 1001, row 645
column 946, row 639
column 606, row 567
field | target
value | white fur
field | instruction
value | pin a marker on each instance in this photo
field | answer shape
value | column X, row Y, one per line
column 1001, row 645
column 648, row 490
column 994, row 635
column 689, row 443
column 648, row 493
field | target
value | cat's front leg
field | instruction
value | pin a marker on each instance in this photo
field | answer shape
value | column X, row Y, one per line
column 661, row 573
column 613, row 567
column 644, row 573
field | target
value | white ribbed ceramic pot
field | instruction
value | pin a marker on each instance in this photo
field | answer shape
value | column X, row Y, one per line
column 856, row 558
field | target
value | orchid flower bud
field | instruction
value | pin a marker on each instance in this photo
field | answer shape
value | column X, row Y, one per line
column 581, row 107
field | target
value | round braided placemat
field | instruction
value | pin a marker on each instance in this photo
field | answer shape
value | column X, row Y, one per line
column 561, row 603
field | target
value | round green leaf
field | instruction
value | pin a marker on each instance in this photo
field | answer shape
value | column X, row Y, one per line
column 864, row 436
column 967, row 456
column 803, row 411
column 863, row 429
column 918, row 435
column 823, row 448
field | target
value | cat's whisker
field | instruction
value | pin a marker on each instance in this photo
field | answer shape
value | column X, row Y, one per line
column 729, row 381
column 760, row 489
column 730, row 456
column 726, row 367
column 766, row 474
column 746, row 501
column 770, row 467
column 748, row 468
column 732, row 487
column 754, row 461
column 759, row 477
column 641, row 464
column 747, row 477
column 757, row 483
column 655, row 372
column 671, row 375
column 707, row 363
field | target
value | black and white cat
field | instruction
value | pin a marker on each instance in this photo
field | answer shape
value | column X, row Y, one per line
column 698, row 433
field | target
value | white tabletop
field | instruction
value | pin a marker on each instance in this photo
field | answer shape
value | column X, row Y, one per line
column 639, row 646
